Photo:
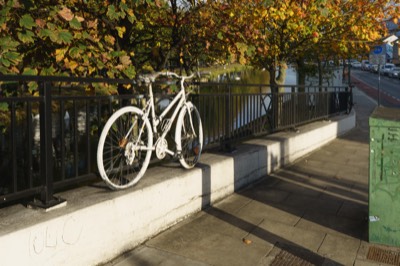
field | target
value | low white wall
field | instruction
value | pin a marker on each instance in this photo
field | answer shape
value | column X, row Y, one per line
column 98, row 224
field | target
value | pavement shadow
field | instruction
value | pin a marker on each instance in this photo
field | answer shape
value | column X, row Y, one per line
column 339, row 204
column 326, row 206
column 305, row 255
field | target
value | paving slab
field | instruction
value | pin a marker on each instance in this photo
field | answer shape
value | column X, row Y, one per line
column 146, row 256
column 276, row 212
column 215, row 238
column 266, row 194
column 233, row 203
column 342, row 250
column 353, row 210
column 272, row 232
column 307, row 204
column 333, row 224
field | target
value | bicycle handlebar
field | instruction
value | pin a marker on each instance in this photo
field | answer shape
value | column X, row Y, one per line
column 149, row 78
column 172, row 74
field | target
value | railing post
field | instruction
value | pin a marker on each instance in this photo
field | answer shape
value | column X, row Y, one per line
column 351, row 96
column 47, row 199
column 295, row 107
column 226, row 143
column 328, row 103
column 273, row 116
column 349, row 99
column 275, row 107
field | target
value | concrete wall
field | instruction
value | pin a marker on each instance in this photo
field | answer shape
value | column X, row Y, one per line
column 97, row 224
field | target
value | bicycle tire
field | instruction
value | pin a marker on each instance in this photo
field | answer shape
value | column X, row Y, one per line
column 121, row 164
column 189, row 144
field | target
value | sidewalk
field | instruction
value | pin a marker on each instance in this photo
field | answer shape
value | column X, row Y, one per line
column 313, row 212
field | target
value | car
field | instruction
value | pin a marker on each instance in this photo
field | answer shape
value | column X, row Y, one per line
column 356, row 64
column 373, row 68
column 365, row 65
column 349, row 62
column 385, row 69
column 395, row 72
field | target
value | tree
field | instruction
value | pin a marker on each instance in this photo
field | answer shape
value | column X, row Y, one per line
column 180, row 34
column 53, row 37
column 270, row 33
column 105, row 38
column 118, row 38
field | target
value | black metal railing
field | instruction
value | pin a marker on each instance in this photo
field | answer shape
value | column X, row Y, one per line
column 232, row 112
column 41, row 156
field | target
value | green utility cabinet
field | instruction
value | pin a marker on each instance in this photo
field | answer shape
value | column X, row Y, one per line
column 384, row 176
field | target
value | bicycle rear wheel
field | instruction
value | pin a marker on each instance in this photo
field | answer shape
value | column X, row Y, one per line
column 122, row 157
column 189, row 136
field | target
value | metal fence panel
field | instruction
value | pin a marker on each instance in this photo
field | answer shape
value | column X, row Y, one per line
column 41, row 156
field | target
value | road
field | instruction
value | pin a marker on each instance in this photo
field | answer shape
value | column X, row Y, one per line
column 369, row 82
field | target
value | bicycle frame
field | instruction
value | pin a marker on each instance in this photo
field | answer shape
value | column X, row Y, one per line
column 149, row 110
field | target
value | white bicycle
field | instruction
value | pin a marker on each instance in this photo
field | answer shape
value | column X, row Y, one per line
column 126, row 142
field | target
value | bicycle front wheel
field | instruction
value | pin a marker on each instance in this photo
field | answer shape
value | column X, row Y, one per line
column 189, row 136
column 124, row 148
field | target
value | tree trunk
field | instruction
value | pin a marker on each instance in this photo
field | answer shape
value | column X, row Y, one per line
column 272, row 78
column 301, row 75
column 276, row 106
column 281, row 76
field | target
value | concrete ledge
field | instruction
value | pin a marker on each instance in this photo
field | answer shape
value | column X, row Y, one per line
column 97, row 224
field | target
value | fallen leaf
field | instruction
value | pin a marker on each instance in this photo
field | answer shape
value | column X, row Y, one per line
column 247, row 241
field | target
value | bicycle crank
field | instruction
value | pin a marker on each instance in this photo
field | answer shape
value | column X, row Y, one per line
column 161, row 148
